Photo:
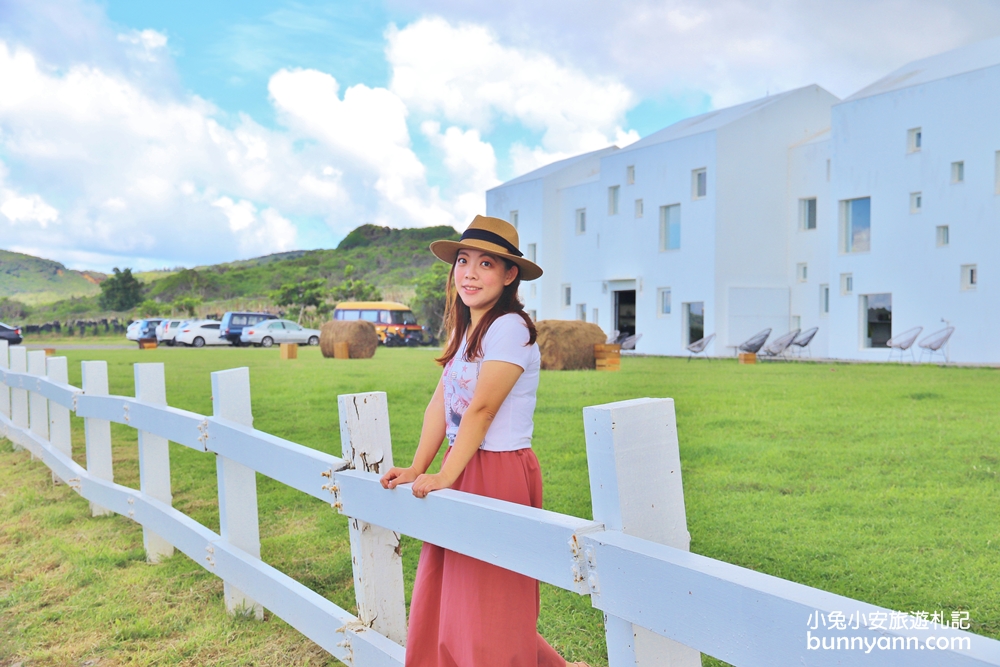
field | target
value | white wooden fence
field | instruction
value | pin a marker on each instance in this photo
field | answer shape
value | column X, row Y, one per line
column 662, row 604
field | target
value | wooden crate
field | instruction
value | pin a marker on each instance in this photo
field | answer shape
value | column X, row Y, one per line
column 748, row 358
column 50, row 351
column 341, row 350
column 289, row 350
column 608, row 356
column 147, row 344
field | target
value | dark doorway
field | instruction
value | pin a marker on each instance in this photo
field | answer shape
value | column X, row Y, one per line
column 625, row 312
column 694, row 313
column 877, row 311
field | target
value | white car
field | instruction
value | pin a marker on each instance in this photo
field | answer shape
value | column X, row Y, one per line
column 167, row 330
column 269, row 332
column 199, row 334
column 142, row 329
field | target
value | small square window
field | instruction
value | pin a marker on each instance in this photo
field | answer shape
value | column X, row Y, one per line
column 513, row 218
column 613, row 200
column 581, row 312
column 807, row 213
column 942, row 236
column 824, row 299
column 846, row 283
column 581, row 221
column 970, row 276
column 630, row 174
column 802, row 272
column 663, row 301
column 533, row 252
column 958, row 172
column 916, row 202
column 699, row 183
column 638, row 208
column 567, row 294
column 914, row 140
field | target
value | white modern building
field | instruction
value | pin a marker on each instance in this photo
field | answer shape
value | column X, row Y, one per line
column 865, row 217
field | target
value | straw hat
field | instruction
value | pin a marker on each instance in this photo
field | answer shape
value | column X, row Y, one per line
column 493, row 235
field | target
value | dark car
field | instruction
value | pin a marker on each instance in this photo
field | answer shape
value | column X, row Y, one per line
column 10, row 334
column 233, row 323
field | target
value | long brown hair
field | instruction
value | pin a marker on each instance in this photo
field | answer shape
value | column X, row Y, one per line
column 458, row 316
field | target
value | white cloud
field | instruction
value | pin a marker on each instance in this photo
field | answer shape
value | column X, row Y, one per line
column 731, row 50
column 147, row 43
column 463, row 73
column 27, row 209
column 471, row 164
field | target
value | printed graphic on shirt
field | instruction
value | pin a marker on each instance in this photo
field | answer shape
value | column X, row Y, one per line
column 459, row 385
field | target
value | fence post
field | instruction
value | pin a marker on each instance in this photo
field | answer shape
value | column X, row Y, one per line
column 97, row 432
column 38, row 405
column 19, row 397
column 238, row 518
column 4, row 389
column 59, row 428
column 154, row 456
column 635, row 486
column 375, row 552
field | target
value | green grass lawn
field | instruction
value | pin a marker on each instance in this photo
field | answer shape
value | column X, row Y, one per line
column 878, row 482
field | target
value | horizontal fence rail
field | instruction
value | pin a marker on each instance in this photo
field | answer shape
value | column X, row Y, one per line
column 662, row 604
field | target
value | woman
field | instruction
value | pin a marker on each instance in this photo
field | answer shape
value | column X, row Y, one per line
column 464, row 612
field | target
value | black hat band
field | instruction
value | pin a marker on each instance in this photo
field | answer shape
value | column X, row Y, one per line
column 491, row 237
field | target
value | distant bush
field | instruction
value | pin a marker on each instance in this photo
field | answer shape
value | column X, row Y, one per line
column 121, row 291
column 429, row 300
column 12, row 309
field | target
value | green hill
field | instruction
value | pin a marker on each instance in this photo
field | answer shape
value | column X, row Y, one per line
column 33, row 280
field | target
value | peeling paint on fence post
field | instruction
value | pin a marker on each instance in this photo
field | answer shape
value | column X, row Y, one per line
column 59, row 430
column 375, row 553
column 635, row 486
column 154, row 456
column 97, row 432
column 238, row 517
column 38, row 405
column 4, row 389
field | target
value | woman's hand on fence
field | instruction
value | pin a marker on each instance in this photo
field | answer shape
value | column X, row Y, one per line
column 397, row 476
column 427, row 483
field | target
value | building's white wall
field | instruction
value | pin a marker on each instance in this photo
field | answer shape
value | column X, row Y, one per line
column 806, row 179
column 752, row 183
column 869, row 158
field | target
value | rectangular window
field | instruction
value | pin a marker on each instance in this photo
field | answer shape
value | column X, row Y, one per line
column 513, row 218
column 581, row 221
column 941, row 237
column 876, row 309
column 613, row 200
column 828, row 170
column 802, row 272
column 670, row 227
column 533, row 290
column 699, row 183
column 970, row 276
column 533, row 252
column 567, row 293
column 957, row 172
column 807, row 213
column 795, row 323
column 846, row 283
column 638, row 208
column 593, row 316
column 533, row 314
column 694, row 321
column 824, row 299
column 855, row 225
column 914, row 139
column 630, row 174
column 663, row 301
column 581, row 312
column 916, row 202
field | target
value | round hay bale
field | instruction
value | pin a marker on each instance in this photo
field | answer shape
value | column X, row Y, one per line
column 358, row 334
column 568, row 345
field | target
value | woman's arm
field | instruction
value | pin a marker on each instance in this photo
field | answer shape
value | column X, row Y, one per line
column 431, row 435
column 496, row 379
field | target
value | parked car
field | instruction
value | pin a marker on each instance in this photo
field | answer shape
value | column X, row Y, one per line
column 166, row 331
column 199, row 334
column 233, row 323
column 269, row 332
column 142, row 329
column 11, row 334
column 388, row 317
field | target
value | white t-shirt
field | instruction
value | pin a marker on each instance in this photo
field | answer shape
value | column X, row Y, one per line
column 506, row 340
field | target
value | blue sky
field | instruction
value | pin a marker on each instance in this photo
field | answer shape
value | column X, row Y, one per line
column 162, row 134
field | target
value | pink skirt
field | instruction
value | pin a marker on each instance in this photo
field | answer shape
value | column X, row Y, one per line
column 467, row 613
